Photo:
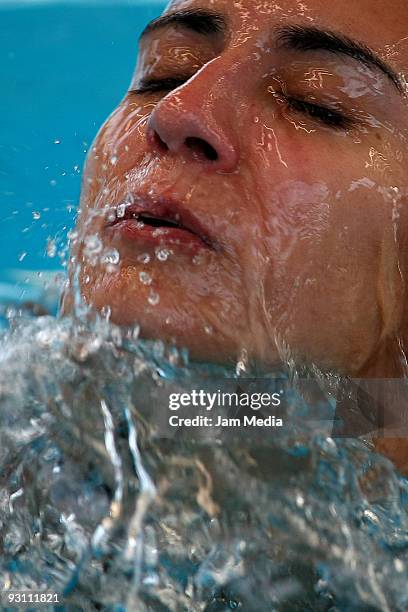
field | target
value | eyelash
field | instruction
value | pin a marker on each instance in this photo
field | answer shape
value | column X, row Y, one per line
column 329, row 117
column 158, row 85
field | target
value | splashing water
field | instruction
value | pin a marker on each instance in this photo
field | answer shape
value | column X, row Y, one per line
column 95, row 505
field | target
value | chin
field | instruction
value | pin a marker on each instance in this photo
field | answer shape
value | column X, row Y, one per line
column 175, row 322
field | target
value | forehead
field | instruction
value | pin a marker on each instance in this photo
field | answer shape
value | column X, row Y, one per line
column 372, row 22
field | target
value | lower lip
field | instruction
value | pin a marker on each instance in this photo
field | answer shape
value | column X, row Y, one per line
column 157, row 236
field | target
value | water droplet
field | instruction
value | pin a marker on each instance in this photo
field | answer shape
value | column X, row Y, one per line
column 145, row 278
column 116, row 335
column 120, row 211
column 106, row 312
column 57, row 141
column 72, row 235
column 114, row 160
column 53, row 182
column 111, row 257
column 173, row 356
column 300, row 501
column 162, row 254
column 22, row 256
column 197, row 260
column 371, row 516
column 154, row 298
column 136, row 332
column 11, row 313
column 93, row 244
column 159, row 232
column 242, row 363
column 208, row 329
column 143, row 258
column 51, row 248
column 85, row 348
column 36, row 215
column 44, row 337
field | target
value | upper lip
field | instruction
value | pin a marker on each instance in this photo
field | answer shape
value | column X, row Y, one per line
column 162, row 209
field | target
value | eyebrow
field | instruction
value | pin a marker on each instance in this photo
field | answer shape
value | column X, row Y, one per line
column 303, row 38
column 196, row 20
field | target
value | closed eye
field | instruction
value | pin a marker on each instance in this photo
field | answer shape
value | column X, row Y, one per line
column 147, row 86
column 332, row 118
column 329, row 117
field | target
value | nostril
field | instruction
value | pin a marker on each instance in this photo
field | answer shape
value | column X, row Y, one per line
column 203, row 148
column 160, row 144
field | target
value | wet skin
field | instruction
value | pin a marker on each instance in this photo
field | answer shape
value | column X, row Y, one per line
column 284, row 161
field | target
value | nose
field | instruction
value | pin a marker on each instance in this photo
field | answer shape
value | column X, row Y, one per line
column 193, row 123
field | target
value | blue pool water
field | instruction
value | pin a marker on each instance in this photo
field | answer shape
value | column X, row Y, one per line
column 64, row 66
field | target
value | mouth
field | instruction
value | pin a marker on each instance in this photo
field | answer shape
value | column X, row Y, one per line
column 159, row 222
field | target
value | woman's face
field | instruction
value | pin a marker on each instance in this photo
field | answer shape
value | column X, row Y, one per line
column 253, row 182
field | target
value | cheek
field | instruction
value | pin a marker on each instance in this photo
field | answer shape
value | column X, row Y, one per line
column 331, row 270
column 119, row 145
column 300, row 214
